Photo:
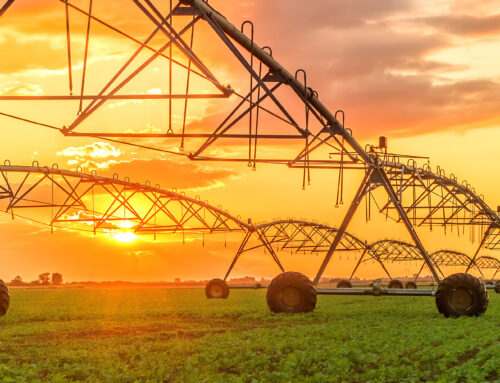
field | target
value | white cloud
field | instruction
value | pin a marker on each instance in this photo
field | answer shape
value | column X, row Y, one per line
column 95, row 150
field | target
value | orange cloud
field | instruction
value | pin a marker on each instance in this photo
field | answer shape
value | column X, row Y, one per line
column 30, row 54
column 168, row 173
column 465, row 25
column 373, row 61
column 379, row 61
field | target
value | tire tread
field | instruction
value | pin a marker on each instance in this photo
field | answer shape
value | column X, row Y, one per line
column 456, row 280
column 395, row 284
column 344, row 283
column 220, row 282
column 297, row 279
column 4, row 298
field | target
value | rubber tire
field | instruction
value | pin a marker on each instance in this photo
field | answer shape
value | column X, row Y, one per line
column 344, row 284
column 497, row 287
column 489, row 283
column 410, row 285
column 300, row 284
column 221, row 289
column 376, row 290
column 395, row 284
column 4, row 298
column 473, row 285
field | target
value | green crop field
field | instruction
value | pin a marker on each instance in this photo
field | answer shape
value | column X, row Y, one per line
column 163, row 335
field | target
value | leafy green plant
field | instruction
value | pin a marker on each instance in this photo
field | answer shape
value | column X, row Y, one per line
column 151, row 335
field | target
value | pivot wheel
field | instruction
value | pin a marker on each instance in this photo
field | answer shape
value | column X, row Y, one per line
column 291, row 292
column 4, row 298
column 497, row 287
column 395, row 284
column 410, row 285
column 344, row 284
column 216, row 288
column 461, row 294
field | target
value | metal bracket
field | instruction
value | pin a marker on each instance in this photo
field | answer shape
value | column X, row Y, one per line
column 273, row 77
column 185, row 11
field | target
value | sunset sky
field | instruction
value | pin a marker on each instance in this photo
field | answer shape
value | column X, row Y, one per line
column 424, row 74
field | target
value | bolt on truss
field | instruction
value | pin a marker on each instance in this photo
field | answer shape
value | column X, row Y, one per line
column 316, row 137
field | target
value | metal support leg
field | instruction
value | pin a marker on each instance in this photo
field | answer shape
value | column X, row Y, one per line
column 357, row 264
column 422, row 268
column 419, row 271
column 486, row 234
column 481, row 272
column 6, row 6
column 347, row 219
column 402, row 214
column 238, row 253
column 494, row 275
column 441, row 271
column 386, row 271
column 271, row 251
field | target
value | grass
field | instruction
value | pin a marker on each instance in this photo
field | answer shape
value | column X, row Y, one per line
column 164, row 335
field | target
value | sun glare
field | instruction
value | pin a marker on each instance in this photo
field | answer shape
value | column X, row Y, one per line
column 125, row 224
column 125, row 236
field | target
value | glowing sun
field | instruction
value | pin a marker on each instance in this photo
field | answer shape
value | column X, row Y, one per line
column 124, row 236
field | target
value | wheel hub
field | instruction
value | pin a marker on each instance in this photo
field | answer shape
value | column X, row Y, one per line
column 216, row 291
column 461, row 298
column 291, row 296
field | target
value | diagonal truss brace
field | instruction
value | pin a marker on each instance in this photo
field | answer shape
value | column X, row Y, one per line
column 376, row 175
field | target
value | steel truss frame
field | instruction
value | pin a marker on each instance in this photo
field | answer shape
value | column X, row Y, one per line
column 93, row 203
column 399, row 251
column 294, row 236
column 389, row 251
column 303, row 237
column 96, row 204
column 485, row 263
column 492, row 238
column 418, row 196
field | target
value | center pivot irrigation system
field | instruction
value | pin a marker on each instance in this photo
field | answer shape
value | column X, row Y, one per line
column 92, row 204
column 278, row 108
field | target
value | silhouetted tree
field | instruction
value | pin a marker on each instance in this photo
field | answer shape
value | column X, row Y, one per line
column 57, row 279
column 17, row 281
column 44, row 278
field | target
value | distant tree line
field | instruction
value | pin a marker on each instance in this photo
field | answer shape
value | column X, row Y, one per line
column 44, row 279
